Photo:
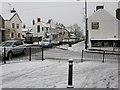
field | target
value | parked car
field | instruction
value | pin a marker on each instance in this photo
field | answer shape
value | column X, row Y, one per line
column 46, row 43
column 56, row 42
column 12, row 47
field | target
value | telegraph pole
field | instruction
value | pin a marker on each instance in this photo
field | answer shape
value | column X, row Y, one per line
column 86, row 26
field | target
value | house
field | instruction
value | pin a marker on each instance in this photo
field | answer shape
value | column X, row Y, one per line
column 118, row 17
column 2, row 29
column 13, row 26
column 49, row 29
column 25, row 30
column 102, row 29
column 51, row 32
column 38, row 29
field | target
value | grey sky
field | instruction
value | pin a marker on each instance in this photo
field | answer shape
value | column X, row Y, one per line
column 67, row 13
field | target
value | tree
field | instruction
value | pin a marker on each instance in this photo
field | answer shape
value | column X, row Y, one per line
column 75, row 29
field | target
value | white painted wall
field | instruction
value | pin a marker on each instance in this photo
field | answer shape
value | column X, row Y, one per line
column 108, row 26
column 34, row 30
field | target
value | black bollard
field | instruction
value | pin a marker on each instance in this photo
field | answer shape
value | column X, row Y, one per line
column 82, row 56
column 42, row 53
column 103, row 57
column 70, row 44
column 29, row 53
column 4, row 56
column 70, row 73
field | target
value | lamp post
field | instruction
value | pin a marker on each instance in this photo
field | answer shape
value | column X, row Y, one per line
column 86, row 26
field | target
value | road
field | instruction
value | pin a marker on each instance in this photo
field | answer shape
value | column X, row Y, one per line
column 60, row 54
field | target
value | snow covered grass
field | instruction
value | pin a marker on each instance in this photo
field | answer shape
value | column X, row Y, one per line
column 78, row 47
column 54, row 74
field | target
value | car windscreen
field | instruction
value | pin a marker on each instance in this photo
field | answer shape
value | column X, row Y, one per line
column 45, row 40
column 6, row 44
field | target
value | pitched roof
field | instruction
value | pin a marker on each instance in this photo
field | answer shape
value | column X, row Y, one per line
column 101, row 13
column 1, row 16
column 10, row 16
column 14, row 15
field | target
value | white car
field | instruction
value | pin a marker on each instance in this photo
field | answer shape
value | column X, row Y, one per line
column 46, row 43
column 12, row 47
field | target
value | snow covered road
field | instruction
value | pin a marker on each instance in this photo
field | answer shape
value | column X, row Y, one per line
column 53, row 74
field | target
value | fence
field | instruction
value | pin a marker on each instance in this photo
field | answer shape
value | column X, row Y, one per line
column 40, row 53
column 30, row 53
column 99, row 55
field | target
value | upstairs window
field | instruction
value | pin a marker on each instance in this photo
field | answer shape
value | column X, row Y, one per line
column 46, row 29
column 38, row 28
column 13, row 25
column 42, row 28
column 17, row 26
column 95, row 25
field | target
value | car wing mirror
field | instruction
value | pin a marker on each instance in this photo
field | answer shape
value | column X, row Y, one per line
column 14, row 45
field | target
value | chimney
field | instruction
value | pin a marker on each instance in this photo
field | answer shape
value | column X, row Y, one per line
column 118, row 13
column 13, row 11
column 24, row 26
column 99, row 7
column 38, row 20
column 49, row 21
column 33, row 22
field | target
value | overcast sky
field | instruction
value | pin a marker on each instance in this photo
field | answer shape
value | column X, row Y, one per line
column 68, row 13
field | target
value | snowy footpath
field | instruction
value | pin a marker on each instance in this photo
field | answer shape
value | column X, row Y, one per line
column 54, row 74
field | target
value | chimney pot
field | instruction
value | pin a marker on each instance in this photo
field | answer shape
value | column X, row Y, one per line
column 99, row 7
column 33, row 22
column 38, row 20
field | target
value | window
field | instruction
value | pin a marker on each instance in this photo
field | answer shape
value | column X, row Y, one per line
column 20, row 43
column 46, row 29
column 13, row 25
column 18, row 34
column 95, row 25
column 42, row 28
column 38, row 28
column 12, row 35
column 17, row 26
column 38, row 19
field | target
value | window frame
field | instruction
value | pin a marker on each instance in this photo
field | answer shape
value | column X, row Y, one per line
column 95, row 25
column 13, row 25
column 17, row 26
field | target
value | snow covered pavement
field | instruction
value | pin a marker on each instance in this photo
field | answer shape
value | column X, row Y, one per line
column 54, row 74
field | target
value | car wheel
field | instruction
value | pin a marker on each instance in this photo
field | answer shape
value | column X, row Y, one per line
column 10, row 55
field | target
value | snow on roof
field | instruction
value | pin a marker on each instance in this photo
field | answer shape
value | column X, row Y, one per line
column 101, row 13
column 7, row 16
